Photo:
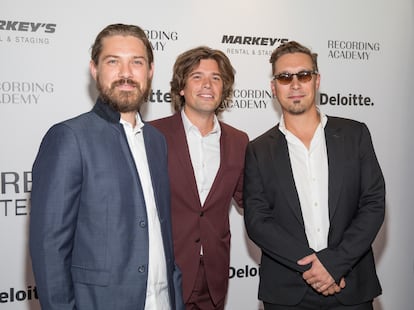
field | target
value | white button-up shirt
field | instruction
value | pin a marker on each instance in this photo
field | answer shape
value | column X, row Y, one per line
column 204, row 153
column 310, row 172
column 157, row 287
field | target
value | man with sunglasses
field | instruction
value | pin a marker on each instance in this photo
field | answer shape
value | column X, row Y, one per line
column 314, row 197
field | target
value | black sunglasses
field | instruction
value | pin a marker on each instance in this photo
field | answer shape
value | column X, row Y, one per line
column 286, row 78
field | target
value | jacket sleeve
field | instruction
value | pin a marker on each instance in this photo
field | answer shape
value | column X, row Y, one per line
column 54, row 206
column 261, row 225
column 179, row 302
column 238, row 193
column 363, row 227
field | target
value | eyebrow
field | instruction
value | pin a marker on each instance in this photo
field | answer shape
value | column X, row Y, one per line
column 116, row 56
column 200, row 72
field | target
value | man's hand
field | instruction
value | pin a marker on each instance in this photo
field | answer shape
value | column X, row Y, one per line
column 334, row 288
column 318, row 277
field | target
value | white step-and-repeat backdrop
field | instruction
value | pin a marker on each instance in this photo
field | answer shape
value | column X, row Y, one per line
column 366, row 62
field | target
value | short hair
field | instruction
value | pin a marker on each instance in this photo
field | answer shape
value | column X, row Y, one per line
column 123, row 30
column 292, row 47
column 187, row 61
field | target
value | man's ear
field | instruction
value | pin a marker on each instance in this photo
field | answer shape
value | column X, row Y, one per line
column 92, row 69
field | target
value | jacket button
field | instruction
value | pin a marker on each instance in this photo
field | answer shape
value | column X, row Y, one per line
column 201, row 213
column 197, row 240
column 142, row 224
column 141, row 269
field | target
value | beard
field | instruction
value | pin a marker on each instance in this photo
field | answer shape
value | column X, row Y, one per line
column 121, row 100
column 297, row 108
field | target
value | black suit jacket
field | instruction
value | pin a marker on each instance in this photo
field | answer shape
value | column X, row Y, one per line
column 274, row 220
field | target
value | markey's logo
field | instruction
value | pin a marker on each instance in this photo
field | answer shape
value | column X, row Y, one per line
column 249, row 40
column 251, row 45
column 22, row 32
column 11, row 25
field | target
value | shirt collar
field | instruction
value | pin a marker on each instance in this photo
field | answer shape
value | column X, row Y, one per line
column 188, row 126
column 282, row 126
column 138, row 126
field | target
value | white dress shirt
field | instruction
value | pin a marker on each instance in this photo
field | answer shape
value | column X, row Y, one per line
column 204, row 153
column 310, row 172
column 205, row 156
column 157, row 287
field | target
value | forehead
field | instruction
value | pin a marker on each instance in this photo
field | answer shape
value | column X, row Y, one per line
column 206, row 65
column 293, row 61
column 118, row 45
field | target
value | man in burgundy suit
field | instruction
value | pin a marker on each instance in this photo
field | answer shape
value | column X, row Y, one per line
column 205, row 162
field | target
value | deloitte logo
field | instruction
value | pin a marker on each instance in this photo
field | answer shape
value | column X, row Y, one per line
column 13, row 295
column 245, row 272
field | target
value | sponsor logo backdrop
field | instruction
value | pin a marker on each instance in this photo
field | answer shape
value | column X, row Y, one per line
column 365, row 58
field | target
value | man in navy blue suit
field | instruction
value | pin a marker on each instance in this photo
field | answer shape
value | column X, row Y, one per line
column 314, row 198
column 100, row 227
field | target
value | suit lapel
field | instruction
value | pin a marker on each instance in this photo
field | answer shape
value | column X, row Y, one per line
column 181, row 153
column 335, row 150
column 224, row 144
column 283, row 171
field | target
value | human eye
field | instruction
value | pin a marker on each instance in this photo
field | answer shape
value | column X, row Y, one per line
column 304, row 73
column 284, row 77
column 217, row 78
column 138, row 61
column 195, row 76
column 111, row 61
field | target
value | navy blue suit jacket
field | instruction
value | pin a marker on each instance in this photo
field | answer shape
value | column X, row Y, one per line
column 356, row 202
column 88, row 225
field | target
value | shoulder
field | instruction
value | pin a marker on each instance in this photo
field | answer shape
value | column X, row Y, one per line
column 165, row 121
column 263, row 139
column 166, row 124
column 233, row 132
column 75, row 124
column 152, row 130
column 345, row 125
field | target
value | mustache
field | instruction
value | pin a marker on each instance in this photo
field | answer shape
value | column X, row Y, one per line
column 125, row 81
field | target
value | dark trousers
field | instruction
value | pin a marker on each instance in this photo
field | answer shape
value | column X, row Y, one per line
column 200, row 298
column 315, row 301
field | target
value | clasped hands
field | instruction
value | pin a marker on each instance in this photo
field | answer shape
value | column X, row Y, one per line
column 319, row 278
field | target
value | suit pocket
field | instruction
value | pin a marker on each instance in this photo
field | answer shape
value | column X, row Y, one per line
column 88, row 276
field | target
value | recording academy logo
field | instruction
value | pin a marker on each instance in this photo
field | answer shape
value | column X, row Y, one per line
column 159, row 39
column 24, row 92
column 251, row 45
column 352, row 50
column 249, row 99
column 25, row 32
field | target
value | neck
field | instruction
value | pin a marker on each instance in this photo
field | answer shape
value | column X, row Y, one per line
column 130, row 117
column 203, row 121
column 303, row 126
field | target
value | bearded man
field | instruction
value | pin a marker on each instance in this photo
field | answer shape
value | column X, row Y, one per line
column 100, row 194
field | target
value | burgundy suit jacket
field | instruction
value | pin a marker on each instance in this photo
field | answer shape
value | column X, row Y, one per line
column 195, row 225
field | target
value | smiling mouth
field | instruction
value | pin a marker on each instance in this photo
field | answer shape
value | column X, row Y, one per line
column 206, row 96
